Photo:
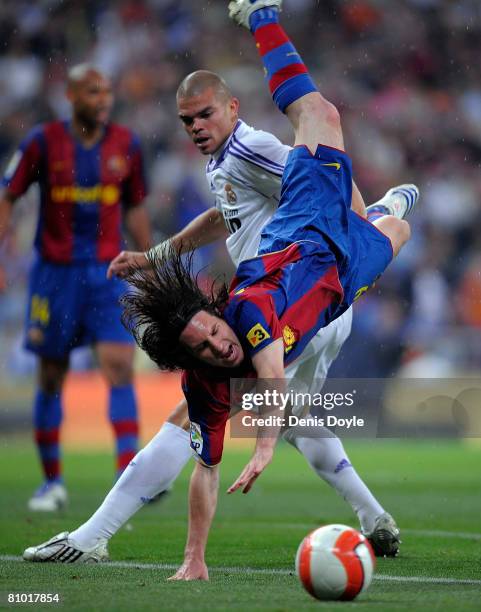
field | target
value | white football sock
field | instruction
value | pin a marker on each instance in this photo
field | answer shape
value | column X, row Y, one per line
column 152, row 470
column 327, row 457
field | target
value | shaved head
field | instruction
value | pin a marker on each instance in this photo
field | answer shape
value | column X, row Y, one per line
column 79, row 72
column 207, row 109
column 90, row 93
column 198, row 82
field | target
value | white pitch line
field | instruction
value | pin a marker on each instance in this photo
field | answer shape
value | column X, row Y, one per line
column 462, row 535
column 431, row 533
column 425, row 579
column 257, row 570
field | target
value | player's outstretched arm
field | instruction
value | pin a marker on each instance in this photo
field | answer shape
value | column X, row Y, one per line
column 204, row 486
column 269, row 366
column 206, row 228
column 260, row 460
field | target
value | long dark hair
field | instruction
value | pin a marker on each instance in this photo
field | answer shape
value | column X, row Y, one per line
column 161, row 303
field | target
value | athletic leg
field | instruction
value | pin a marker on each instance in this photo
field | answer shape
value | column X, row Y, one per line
column 397, row 230
column 142, row 480
column 315, row 120
column 50, row 333
column 116, row 364
column 329, row 460
column 48, row 415
column 151, row 471
column 325, row 452
column 357, row 203
column 47, row 418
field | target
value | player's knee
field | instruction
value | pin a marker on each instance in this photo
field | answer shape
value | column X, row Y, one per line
column 118, row 371
column 51, row 386
column 51, row 376
column 318, row 109
column 123, row 375
column 331, row 115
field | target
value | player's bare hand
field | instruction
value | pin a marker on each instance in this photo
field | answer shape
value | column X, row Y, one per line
column 125, row 261
column 191, row 570
column 252, row 470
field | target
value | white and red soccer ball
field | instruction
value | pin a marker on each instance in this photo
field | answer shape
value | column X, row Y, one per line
column 335, row 562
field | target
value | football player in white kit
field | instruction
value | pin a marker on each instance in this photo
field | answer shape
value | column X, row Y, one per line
column 244, row 173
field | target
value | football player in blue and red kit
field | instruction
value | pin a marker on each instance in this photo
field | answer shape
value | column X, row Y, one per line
column 91, row 180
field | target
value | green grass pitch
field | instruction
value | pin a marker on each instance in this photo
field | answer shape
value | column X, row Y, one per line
column 433, row 489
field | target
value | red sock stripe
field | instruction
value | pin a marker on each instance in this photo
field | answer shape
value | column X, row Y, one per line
column 270, row 37
column 51, row 468
column 47, row 436
column 285, row 74
column 126, row 428
column 123, row 460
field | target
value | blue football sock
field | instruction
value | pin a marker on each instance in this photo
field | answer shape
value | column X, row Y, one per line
column 123, row 416
column 47, row 417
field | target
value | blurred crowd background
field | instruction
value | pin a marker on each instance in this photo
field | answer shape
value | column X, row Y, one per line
column 406, row 75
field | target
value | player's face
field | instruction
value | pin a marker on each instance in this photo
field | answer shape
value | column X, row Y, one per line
column 212, row 341
column 92, row 99
column 208, row 119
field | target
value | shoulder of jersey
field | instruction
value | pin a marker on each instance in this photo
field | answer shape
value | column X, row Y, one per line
column 51, row 134
column 120, row 130
column 56, row 128
column 260, row 148
column 252, row 137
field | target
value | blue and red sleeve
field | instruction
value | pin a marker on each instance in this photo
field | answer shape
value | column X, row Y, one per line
column 209, row 409
column 253, row 316
column 25, row 167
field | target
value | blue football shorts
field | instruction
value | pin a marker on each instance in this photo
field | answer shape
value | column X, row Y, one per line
column 72, row 305
column 315, row 206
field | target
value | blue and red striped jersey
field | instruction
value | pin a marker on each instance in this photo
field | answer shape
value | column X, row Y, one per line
column 82, row 190
column 288, row 294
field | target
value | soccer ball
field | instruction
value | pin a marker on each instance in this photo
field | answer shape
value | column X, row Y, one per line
column 335, row 562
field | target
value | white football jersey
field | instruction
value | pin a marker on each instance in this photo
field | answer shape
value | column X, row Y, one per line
column 245, row 176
